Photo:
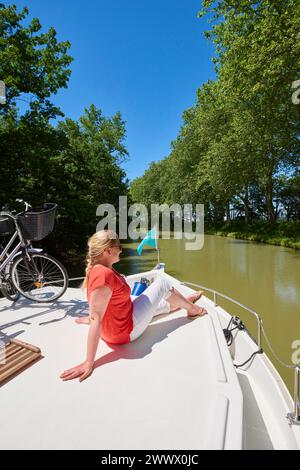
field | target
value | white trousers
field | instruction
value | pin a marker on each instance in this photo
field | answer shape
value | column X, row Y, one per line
column 149, row 303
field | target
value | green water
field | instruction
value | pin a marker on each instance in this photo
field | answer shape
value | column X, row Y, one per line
column 266, row 278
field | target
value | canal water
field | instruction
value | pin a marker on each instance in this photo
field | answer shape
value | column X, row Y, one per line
column 266, row 278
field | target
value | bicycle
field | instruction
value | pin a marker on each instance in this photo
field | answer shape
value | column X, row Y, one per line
column 27, row 270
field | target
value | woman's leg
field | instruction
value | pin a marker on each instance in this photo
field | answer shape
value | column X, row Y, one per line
column 165, row 306
column 145, row 306
column 192, row 298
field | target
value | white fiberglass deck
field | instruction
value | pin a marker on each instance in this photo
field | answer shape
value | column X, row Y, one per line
column 173, row 388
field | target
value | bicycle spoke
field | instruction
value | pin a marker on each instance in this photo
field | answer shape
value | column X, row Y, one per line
column 41, row 278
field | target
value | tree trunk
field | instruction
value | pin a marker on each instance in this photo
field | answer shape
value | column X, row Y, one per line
column 269, row 199
column 228, row 218
column 246, row 206
column 218, row 214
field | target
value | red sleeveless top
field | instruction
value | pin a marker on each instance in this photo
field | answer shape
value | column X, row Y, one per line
column 117, row 322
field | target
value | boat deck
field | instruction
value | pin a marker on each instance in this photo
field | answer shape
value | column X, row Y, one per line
column 173, row 388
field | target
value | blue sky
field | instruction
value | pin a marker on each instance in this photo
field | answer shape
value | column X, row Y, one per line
column 143, row 58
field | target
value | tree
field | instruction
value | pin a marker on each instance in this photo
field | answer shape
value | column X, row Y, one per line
column 87, row 172
column 257, row 60
column 33, row 65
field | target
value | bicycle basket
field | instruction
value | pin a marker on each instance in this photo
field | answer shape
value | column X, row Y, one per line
column 38, row 222
column 7, row 226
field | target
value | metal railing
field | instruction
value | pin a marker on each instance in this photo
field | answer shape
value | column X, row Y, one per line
column 219, row 294
column 294, row 417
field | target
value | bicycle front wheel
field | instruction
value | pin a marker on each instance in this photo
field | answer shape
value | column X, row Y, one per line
column 41, row 279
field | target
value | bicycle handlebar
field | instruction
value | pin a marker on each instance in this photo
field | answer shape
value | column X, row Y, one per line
column 6, row 212
column 27, row 206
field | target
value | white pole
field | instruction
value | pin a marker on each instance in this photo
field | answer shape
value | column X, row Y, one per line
column 157, row 232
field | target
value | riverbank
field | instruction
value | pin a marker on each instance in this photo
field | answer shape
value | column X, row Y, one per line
column 282, row 233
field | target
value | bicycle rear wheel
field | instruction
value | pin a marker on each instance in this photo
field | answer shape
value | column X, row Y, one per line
column 7, row 287
column 9, row 291
column 41, row 279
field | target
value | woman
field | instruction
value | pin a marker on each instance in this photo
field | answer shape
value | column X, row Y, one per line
column 115, row 315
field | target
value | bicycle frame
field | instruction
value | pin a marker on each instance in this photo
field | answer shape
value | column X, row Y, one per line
column 24, row 244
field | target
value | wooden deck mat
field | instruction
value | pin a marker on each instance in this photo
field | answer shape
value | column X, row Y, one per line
column 16, row 355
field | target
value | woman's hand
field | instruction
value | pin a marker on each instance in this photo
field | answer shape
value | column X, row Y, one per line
column 82, row 371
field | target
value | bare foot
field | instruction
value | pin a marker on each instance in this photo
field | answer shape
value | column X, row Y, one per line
column 192, row 298
column 196, row 311
column 83, row 320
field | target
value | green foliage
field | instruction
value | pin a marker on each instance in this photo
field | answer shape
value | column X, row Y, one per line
column 33, row 64
column 282, row 233
column 75, row 165
column 86, row 172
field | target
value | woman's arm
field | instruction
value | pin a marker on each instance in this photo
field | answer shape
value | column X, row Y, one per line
column 99, row 300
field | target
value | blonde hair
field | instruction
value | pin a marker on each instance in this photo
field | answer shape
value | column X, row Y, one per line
column 97, row 244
